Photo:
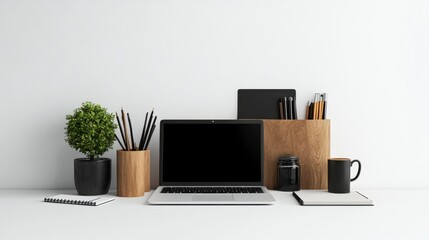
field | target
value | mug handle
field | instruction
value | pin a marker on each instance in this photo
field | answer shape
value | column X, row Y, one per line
column 358, row 173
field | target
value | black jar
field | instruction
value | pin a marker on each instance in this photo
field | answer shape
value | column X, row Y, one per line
column 288, row 172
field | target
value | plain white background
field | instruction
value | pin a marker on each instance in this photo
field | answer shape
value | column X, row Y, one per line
column 187, row 59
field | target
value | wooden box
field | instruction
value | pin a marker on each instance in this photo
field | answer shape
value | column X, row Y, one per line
column 307, row 139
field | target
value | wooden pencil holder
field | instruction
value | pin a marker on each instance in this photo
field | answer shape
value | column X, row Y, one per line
column 307, row 139
column 133, row 173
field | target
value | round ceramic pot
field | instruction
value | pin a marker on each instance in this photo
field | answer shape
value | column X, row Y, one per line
column 92, row 177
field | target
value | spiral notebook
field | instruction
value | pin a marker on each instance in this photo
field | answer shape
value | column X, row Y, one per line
column 79, row 200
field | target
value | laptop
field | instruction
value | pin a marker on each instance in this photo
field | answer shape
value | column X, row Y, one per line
column 211, row 162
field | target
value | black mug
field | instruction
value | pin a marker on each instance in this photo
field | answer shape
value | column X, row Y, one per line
column 339, row 174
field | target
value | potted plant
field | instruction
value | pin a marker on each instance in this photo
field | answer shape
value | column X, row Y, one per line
column 91, row 131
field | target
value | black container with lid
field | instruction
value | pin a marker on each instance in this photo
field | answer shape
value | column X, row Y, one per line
column 288, row 173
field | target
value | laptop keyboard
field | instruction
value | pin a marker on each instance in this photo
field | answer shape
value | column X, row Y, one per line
column 212, row 190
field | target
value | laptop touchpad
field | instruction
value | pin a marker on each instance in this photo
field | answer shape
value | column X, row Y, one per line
column 213, row 197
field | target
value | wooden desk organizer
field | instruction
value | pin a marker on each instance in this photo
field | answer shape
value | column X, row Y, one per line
column 307, row 139
column 133, row 173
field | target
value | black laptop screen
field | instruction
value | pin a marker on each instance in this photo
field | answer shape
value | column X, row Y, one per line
column 211, row 152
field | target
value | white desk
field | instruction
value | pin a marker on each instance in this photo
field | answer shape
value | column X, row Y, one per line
column 397, row 214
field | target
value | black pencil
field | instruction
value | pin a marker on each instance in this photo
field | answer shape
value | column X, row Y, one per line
column 311, row 111
column 127, row 142
column 325, row 105
column 149, row 125
column 119, row 141
column 131, row 132
column 290, row 107
column 294, row 113
column 150, row 136
column 120, row 127
column 143, row 132
column 150, row 129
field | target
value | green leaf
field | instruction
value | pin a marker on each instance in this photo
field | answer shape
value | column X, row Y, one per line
column 90, row 129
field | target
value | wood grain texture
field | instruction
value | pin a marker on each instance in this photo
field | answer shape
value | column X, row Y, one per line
column 307, row 139
column 133, row 168
column 147, row 170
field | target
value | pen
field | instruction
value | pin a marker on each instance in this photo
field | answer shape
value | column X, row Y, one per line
column 285, row 108
column 291, row 106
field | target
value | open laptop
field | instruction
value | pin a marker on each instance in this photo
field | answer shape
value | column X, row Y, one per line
column 211, row 162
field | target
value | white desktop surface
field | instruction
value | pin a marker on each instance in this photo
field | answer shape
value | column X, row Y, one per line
column 397, row 214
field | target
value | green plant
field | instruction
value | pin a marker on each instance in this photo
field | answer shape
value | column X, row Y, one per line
column 90, row 130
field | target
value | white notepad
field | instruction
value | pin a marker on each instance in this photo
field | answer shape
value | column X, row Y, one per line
column 325, row 198
column 79, row 200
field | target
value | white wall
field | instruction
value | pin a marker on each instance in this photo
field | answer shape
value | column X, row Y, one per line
column 187, row 59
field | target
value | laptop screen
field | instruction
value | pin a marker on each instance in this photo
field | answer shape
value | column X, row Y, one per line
column 205, row 152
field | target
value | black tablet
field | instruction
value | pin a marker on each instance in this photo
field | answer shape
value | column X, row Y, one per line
column 261, row 103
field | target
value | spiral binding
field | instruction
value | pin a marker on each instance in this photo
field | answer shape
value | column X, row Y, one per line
column 66, row 201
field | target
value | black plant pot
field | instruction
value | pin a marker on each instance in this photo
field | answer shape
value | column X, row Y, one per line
column 92, row 177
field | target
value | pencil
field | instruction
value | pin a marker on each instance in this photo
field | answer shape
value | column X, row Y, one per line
column 319, row 113
column 315, row 106
column 150, row 129
column 120, row 127
column 150, row 136
column 143, row 132
column 285, row 110
column 289, row 108
column 318, row 106
column 295, row 114
column 149, row 125
column 127, row 145
column 119, row 141
column 131, row 132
